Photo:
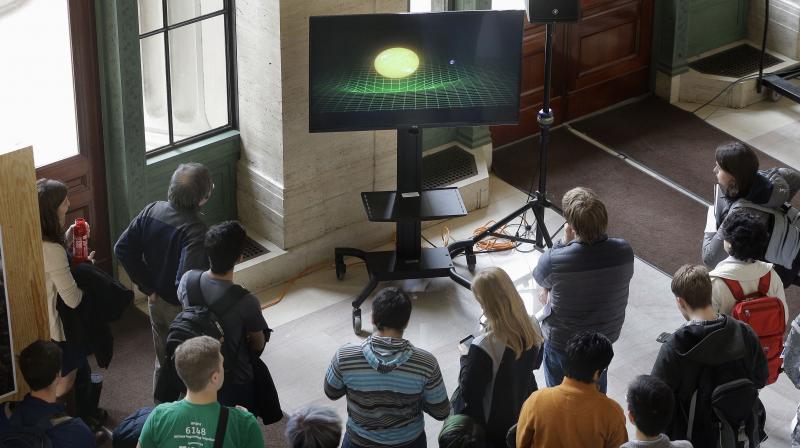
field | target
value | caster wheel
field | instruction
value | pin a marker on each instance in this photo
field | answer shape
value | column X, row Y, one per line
column 357, row 322
column 341, row 268
column 773, row 96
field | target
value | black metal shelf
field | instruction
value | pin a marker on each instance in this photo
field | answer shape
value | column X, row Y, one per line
column 429, row 205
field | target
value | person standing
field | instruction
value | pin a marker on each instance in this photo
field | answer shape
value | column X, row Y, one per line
column 497, row 373
column 242, row 323
column 575, row 413
column 163, row 242
column 583, row 281
column 198, row 420
column 387, row 381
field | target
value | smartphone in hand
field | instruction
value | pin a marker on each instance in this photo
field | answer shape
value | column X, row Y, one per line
column 662, row 338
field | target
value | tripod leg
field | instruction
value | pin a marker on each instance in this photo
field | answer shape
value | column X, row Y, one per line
column 542, row 235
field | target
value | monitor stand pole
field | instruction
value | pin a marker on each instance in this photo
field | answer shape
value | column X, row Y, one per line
column 408, row 206
column 537, row 200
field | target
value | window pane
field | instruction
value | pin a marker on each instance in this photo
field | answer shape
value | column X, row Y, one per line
column 151, row 15
column 154, row 92
column 419, row 6
column 37, row 92
column 181, row 10
column 508, row 4
column 198, row 75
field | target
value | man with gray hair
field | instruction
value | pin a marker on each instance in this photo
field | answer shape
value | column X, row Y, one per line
column 314, row 427
column 163, row 242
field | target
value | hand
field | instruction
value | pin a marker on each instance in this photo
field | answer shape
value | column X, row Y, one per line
column 91, row 257
column 151, row 299
column 544, row 296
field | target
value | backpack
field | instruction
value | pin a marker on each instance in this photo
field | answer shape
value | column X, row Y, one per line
column 724, row 410
column 17, row 435
column 784, row 232
column 198, row 319
column 766, row 316
column 126, row 434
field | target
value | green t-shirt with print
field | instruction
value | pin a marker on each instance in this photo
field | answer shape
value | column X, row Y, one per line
column 181, row 424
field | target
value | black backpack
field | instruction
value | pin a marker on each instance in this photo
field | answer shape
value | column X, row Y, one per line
column 17, row 435
column 198, row 319
column 724, row 410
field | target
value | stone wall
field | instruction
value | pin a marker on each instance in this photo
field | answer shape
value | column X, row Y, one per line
column 784, row 26
column 302, row 190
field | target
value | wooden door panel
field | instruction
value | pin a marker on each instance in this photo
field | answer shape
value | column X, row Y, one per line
column 532, row 84
column 609, row 43
column 597, row 62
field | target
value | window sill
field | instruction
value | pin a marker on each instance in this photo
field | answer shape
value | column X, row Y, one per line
column 183, row 150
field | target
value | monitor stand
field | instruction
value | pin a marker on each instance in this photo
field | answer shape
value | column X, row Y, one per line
column 408, row 206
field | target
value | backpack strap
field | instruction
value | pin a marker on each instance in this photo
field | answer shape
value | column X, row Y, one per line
column 738, row 292
column 222, row 426
column 226, row 302
column 193, row 291
column 763, row 283
column 735, row 287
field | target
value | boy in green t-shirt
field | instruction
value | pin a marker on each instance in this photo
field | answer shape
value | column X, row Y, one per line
column 192, row 422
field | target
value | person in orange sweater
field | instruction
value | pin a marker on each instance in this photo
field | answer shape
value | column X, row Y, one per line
column 575, row 413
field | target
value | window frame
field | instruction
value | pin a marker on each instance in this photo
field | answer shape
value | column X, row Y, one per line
column 229, row 19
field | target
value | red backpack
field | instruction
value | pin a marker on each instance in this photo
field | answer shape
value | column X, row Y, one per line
column 766, row 316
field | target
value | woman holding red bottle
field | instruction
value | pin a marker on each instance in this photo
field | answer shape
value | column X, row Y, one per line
column 57, row 248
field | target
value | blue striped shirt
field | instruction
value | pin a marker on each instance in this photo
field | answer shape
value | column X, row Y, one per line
column 388, row 383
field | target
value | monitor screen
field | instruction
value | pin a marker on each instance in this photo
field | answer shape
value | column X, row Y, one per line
column 388, row 71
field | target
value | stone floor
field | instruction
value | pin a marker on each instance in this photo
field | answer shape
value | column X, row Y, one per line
column 313, row 318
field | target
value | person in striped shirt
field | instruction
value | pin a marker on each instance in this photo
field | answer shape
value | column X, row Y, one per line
column 388, row 382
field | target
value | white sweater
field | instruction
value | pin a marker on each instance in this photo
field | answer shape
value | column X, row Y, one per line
column 748, row 275
column 58, row 281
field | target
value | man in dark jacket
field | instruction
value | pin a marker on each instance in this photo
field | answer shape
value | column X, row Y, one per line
column 163, row 242
column 709, row 345
column 583, row 281
column 40, row 364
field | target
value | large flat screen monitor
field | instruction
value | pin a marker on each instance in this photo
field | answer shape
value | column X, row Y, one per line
column 387, row 71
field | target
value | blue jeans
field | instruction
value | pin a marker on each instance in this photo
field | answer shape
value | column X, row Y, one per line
column 554, row 372
column 419, row 442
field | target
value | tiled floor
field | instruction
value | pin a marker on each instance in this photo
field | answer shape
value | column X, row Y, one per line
column 314, row 317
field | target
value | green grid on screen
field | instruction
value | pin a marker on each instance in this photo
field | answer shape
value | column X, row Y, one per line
column 431, row 87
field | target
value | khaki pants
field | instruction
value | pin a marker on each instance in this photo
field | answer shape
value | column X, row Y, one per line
column 162, row 313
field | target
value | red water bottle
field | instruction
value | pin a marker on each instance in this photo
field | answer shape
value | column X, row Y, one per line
column 80, row 245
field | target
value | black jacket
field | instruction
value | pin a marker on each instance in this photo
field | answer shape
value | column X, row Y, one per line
column 494, row 385
column 104, row 300
column 726, row 345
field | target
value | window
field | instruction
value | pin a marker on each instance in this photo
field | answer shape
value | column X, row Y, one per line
column 508, row 4
column 419, row 6
column 188, row 79
column 37, row 90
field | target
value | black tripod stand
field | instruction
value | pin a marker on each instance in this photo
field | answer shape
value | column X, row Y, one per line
column 537, row 200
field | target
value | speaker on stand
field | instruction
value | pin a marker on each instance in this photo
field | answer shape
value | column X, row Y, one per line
column 546, row 11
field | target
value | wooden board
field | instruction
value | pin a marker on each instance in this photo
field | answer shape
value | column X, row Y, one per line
column 22, row 254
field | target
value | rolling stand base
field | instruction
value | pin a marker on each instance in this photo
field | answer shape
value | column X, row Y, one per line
column 388, row 266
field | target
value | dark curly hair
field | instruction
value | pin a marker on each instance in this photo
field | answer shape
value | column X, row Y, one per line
column 51, row 194
column 746, row 234
column 651, row 402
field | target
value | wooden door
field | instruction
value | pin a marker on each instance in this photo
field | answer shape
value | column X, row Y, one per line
column 84, row 173
column 608, row 54
column 532, row 84
column 599, row 61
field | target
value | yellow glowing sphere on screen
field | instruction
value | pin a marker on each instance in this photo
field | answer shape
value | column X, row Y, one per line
column 396, row 62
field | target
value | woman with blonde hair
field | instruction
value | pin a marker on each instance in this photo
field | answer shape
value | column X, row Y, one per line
column 497, row 373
